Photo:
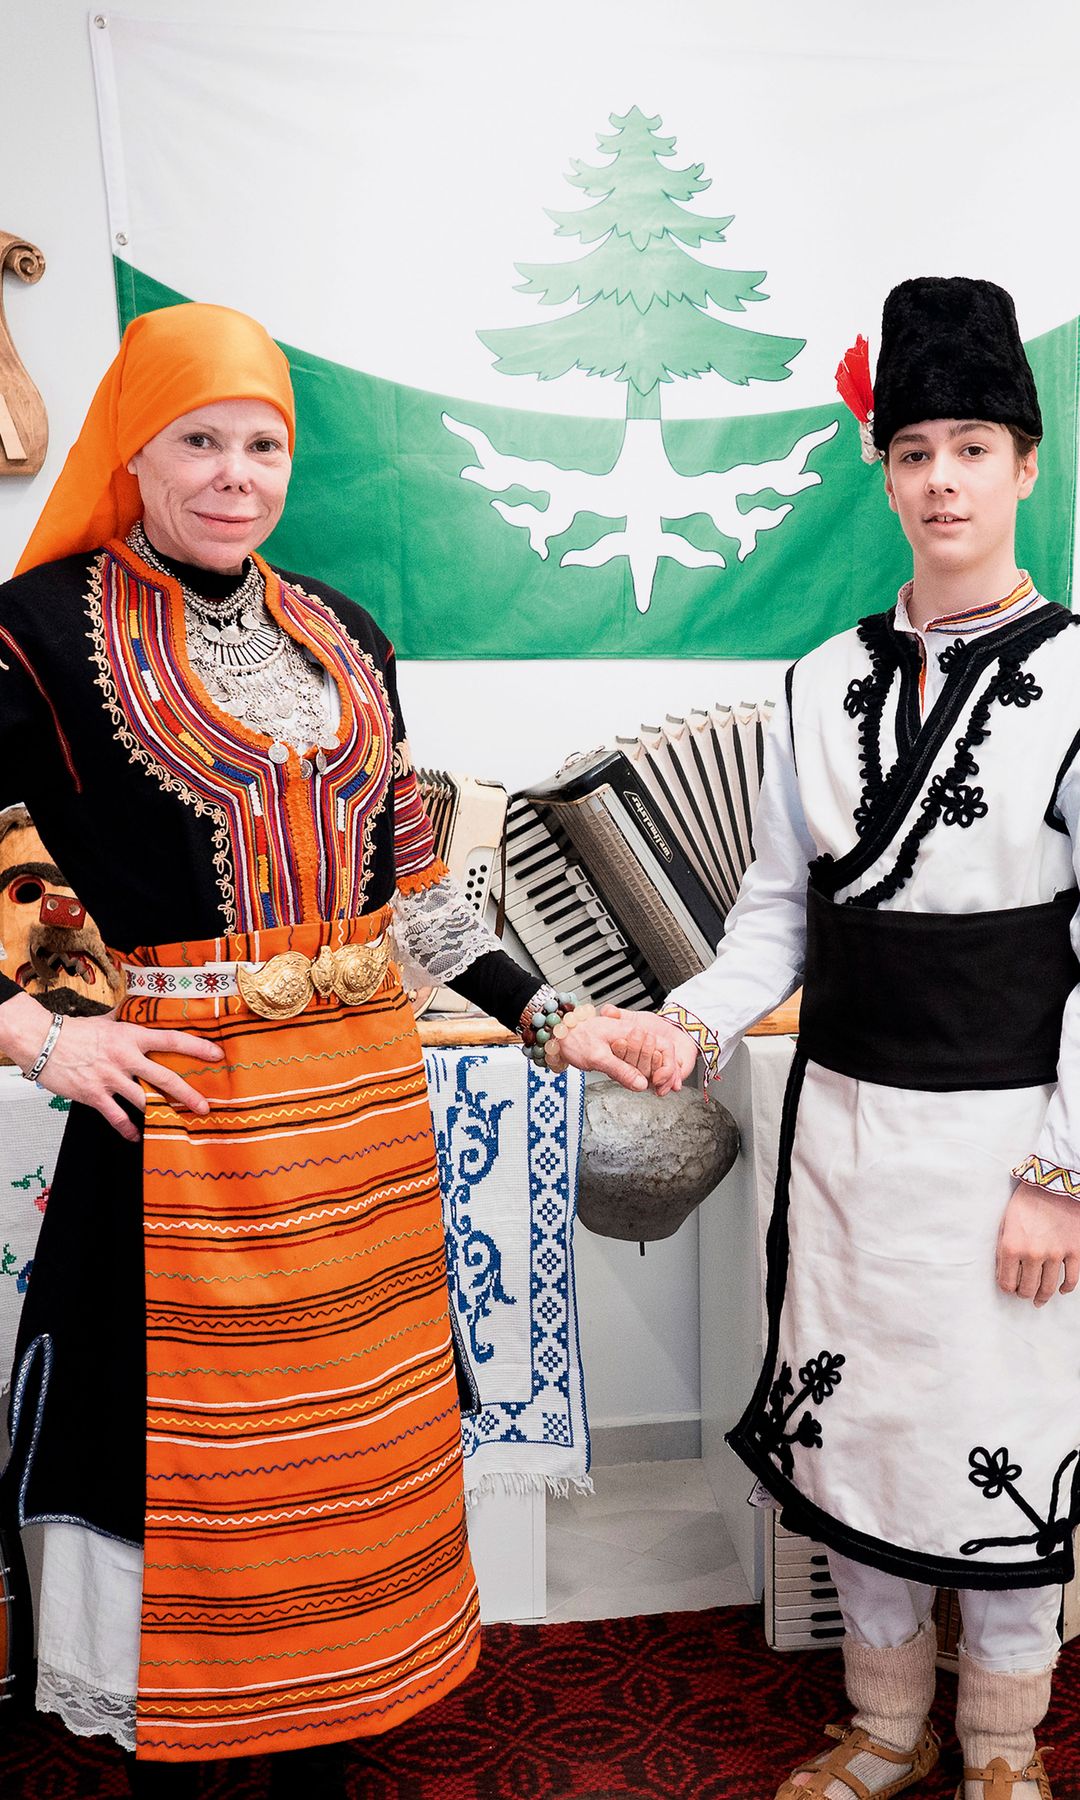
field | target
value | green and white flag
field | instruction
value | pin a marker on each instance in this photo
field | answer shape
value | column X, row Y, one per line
column 595, row 419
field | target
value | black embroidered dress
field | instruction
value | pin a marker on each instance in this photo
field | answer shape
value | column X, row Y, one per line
column 172, row 829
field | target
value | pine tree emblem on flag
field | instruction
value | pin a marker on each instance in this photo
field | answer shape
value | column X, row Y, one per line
column 668, row 472
column 643, row 318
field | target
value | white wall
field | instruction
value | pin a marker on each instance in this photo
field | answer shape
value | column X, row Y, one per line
column 640, row 1319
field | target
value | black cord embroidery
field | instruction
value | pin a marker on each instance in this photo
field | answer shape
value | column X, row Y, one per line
column 1019, row 686
column 992, row 1471
column 820, row 1378
column 996, row 1474
column 947, row 794
column 860, row 693
column 949, row 797
column 885, row 799
column 962, row 805
column 865, row 699
column 964, row 763
column 951, row 655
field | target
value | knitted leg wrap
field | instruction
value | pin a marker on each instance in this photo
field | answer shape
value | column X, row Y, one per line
column 996, row 1716
column 892, row 1690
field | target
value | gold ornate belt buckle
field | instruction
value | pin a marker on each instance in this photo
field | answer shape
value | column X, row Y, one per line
column 353, row 972
column 280, row 988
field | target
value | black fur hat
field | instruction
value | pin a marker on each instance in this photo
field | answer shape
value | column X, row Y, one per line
column 951, row 349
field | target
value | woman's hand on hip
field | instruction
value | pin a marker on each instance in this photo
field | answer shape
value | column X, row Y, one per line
column 1038, row 1240
column 103, row 1060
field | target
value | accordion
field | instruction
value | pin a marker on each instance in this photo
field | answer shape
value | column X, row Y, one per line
column 468, row 819
column 621, row 869
column 802, row 1611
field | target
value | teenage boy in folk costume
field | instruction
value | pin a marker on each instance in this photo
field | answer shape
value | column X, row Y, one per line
column 917, row 856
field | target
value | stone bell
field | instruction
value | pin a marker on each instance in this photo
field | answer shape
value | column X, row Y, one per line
column 646, row 1162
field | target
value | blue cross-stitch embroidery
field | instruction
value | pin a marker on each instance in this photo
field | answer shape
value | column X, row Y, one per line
column 467, row 1143
column 549, row 1416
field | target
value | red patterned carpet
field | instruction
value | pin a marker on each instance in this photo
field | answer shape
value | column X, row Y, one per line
column 677, row 1706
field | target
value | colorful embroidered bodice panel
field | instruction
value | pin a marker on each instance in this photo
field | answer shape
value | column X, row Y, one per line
column 293, row 841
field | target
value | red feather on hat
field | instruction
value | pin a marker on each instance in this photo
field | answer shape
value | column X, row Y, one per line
column 853, row 380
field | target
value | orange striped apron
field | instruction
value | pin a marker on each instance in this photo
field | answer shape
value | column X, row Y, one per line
column 307, row 1566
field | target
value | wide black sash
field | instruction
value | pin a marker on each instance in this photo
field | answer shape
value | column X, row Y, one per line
column 937, row 1001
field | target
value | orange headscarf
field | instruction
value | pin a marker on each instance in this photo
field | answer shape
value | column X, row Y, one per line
column 169, row 363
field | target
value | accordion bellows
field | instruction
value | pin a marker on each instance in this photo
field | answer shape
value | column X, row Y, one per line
column 622, row 868
column 705, row 774
column 617, row 873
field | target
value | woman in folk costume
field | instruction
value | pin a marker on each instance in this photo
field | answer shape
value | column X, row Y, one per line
column 236, row 1349
column 917, row 858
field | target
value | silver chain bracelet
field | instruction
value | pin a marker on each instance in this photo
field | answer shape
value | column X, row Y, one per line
column 47, row 1048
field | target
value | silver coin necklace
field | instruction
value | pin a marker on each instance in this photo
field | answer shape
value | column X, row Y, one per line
column 250, row 666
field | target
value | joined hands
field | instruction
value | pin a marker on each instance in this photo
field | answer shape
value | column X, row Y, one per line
column 638, row 1050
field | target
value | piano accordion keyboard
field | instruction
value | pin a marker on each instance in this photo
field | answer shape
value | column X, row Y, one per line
column 802, row 1611
column 801, row 1607
column 562, row 921
column 663, row 929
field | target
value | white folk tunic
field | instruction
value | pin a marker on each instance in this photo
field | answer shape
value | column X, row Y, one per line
column 909, row 1413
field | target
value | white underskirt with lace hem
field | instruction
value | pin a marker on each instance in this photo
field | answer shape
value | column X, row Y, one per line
column 88, row 1632
column 437, row 934
column 86, row 1711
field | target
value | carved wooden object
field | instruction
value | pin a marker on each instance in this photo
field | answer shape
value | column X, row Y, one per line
column 24, row 425
column 458, row 1032
column 784, row 1021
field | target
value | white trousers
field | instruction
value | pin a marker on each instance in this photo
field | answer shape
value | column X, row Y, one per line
column 1006, row 1630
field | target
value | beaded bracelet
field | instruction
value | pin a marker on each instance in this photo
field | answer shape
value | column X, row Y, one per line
column 546, row 1010
column 47, row 1048
column 553, row 1053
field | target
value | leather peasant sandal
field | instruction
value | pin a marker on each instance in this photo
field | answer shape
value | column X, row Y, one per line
column 998, row 1780
column 853, row 1741
column 997, row 1716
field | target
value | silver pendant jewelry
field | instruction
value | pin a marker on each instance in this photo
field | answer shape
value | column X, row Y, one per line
column 250, row 666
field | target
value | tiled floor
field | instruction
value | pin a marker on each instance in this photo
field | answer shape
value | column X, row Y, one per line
column 649, row 1540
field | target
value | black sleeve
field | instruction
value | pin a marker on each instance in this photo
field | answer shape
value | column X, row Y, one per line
column 25, row 722
column 498, row 985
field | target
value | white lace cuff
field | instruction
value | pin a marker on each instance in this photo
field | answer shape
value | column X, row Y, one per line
column 437, row 934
